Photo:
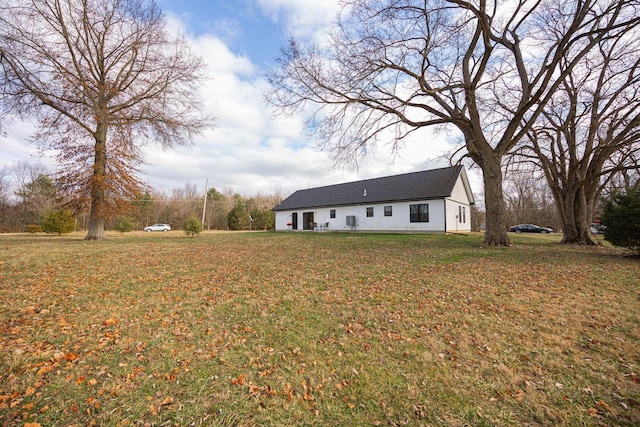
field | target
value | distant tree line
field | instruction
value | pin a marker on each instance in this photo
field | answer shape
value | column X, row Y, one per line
column 224, row 210
column 29, row 195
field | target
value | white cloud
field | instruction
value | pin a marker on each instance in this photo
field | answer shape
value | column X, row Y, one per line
column 16, row 146
column 249, row 151
column 302, row 18
column 252, row 152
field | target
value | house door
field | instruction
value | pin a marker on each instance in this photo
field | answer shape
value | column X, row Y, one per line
column 294, row 221
column 307, row 220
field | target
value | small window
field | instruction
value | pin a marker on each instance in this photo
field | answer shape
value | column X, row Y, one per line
column 370, row 212
column 462, row 214
column 388, row 211
column 332, row 213
column 419, row 213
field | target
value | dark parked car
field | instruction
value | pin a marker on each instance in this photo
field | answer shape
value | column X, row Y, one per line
column 530, row 228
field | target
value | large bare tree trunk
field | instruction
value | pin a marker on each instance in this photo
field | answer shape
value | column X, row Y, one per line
column 496, row 233
column 575, row 219
column 567, row 217
column 98, row 201
column 96, row 228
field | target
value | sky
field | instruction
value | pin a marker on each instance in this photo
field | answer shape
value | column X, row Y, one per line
column 251, row 151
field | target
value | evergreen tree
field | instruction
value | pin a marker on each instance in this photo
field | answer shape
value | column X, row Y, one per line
column 59, row 221
column 38, row 198
column 622, row 218
column 238, row 217
column 263, row 218
column 123, row 224
column 192, row 226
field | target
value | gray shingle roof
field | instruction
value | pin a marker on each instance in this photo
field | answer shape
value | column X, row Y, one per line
column 429, row 184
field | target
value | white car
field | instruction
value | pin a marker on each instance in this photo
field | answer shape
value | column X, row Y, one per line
column 158, row 227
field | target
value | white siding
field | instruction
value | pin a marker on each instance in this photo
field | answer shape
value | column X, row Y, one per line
column 452, row 214
column 458, row 217
column 399, row 221
column 459, row 193
column 458, row 209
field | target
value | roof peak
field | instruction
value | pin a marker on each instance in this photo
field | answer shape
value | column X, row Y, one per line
column 418, row 185
column 383, row 177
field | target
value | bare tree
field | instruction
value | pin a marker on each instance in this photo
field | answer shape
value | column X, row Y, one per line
column 217, row 210
column 102, row 77
column 24, row 173
column 35, row 192
column 187, row 201
column 590, row 130
column 38, row 197
column 5, row 207
column 5, row 185
column 482, row 67
column 529, row 199
column 625, row 181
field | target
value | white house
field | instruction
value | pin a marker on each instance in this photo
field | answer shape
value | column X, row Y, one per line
column 431, row 201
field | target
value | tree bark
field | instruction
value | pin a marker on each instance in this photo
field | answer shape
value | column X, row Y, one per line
column 98, row 202
column 496, row 232
column 575, row 219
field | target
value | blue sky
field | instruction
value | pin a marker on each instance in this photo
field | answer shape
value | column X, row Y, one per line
column 241, row 24
column 250, row 152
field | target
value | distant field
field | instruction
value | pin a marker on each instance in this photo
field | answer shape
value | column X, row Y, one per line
column 284, row 329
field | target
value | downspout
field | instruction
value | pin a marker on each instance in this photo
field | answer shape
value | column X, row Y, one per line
column 445, row 216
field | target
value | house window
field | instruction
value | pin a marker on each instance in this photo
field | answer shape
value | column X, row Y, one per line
column 370, row 212
column 388, row 211
column 459, row 213
column 332, row 213
column 419, row 213
column 462, row 214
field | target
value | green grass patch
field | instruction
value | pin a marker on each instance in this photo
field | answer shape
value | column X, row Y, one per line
column 249, row 329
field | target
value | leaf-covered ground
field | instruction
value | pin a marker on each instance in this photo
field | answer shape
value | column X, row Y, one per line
column 253, row 329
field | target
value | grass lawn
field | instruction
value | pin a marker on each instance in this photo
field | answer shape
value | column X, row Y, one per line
column 255, row 329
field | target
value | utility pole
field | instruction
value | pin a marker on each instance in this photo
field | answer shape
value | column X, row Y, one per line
column 204, row 208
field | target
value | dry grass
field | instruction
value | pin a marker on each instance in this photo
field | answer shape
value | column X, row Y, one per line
column 245, row 329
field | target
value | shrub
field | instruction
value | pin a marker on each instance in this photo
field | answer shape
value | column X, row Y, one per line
column 59, row 221
column 192, row 226
column 34, row 228
column 622, row 218
column 123, row 224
